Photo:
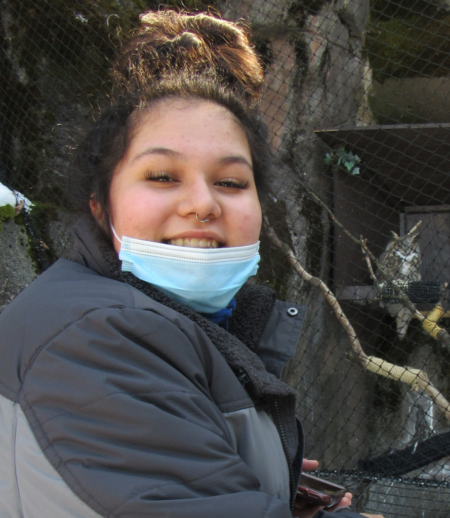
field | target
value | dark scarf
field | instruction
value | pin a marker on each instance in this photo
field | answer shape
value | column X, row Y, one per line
column 254, row 305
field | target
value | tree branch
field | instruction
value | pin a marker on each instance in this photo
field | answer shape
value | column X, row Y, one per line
column 318, row 283
column 415, row 378
column 430, row 325
column 368, row 262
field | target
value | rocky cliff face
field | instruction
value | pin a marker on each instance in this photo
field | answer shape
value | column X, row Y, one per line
column 53, row 65
column 53, row 73
column 16, row 267
column 316, row 78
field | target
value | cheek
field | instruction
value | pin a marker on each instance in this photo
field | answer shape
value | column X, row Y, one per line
column 121, row 204
column 256, row 223
column 247, row 222
column 136, row 212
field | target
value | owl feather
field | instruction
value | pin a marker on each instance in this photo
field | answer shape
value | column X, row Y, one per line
column 401, row 263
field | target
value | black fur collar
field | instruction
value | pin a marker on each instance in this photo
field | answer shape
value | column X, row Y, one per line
column 253, row 307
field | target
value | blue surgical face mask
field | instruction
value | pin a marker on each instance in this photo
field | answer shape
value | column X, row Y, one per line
column 205, row 279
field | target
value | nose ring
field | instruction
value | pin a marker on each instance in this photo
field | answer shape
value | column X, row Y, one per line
column 201, row 220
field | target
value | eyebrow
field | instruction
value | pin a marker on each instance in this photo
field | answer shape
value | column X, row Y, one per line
column 160, row 151
column 163, row 151
column 235, row 160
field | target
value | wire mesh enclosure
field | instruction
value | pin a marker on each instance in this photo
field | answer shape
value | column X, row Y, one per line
column 357, row 105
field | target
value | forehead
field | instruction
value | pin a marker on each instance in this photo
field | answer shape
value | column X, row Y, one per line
column 185, row 122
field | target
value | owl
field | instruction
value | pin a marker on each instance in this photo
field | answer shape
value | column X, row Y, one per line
column 401, row 262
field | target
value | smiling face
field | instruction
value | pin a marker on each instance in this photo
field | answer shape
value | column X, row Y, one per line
column 186, row 158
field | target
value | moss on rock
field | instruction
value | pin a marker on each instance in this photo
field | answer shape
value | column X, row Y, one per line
column 6, row 212
column 416, row 46
column 401, row 9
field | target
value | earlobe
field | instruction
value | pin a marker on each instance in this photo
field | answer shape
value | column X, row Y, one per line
column 96, row 210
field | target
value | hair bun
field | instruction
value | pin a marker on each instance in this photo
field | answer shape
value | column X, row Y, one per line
column 169, row 48
column 185, row 41
column 169, row 43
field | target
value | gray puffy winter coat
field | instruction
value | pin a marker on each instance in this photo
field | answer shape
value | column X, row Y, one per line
column 114, row 404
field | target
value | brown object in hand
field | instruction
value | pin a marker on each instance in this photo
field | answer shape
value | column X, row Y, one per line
column 319, row 492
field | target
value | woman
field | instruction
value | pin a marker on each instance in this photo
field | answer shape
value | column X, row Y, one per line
column 126, row 387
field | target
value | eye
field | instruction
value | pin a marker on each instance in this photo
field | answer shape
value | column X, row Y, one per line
column 159, row 176
column 232, row 183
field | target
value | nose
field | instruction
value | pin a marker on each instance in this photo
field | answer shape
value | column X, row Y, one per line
column 199, row 198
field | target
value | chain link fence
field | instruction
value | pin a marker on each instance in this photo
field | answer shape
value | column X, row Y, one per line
column 358, row 109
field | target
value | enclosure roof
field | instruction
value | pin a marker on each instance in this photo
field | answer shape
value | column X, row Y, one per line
column 411, row 160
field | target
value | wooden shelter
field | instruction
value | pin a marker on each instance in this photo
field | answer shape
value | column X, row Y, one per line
column 404, row 177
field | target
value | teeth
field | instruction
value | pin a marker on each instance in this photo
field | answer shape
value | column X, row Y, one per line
column 195, row 243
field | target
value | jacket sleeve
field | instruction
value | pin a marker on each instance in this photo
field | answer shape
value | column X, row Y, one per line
column 119, row 403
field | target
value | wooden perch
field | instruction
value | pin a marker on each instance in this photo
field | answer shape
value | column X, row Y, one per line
column 415, row 378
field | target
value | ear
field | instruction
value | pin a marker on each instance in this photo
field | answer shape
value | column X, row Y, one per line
column 96, row 210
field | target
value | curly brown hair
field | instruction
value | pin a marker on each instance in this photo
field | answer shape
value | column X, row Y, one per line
column 170, row 43
column 172, row 54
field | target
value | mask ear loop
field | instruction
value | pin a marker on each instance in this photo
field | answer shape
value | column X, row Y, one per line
column 115, row 234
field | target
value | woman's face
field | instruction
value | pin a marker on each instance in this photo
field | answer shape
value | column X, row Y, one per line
column 186, row 158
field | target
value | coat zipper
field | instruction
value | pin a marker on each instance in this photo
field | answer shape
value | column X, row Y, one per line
column 280, row 426
column 283, row 436
column 245, row 381
column 242, row 376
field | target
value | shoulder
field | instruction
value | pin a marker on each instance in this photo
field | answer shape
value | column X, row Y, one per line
column 72, row 316
column 64, row 294
column 64, row 291
column 270, row 327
